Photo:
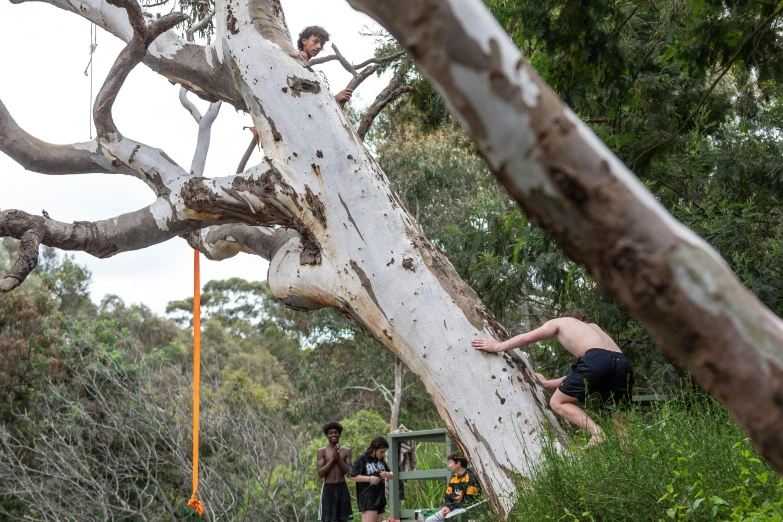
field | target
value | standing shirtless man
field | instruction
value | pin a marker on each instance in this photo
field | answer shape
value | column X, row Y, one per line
column 601, row 367
column 333, row 463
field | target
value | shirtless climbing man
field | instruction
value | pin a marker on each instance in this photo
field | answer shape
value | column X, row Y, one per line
column 601, row 367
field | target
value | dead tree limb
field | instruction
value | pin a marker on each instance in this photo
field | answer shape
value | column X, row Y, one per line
column 25, row 263
column 393, row 90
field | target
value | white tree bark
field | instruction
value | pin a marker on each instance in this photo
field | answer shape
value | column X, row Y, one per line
column 561, row 174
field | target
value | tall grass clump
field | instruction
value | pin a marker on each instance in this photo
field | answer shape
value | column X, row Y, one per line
column 684, row 460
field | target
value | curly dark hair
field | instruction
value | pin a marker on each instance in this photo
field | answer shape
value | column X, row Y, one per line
column 576, row 314
column 459, row 458
column 376, row 444
column 332, row 425
column 313, row 30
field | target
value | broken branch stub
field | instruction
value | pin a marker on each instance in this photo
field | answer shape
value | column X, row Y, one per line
column 25, row 263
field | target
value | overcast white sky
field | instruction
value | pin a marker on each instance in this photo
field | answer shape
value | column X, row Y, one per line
column 44, row 54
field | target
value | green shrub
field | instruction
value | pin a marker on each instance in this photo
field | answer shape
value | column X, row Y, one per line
column 685, row 460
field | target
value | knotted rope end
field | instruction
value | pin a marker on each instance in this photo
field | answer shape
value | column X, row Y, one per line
column 196, row 505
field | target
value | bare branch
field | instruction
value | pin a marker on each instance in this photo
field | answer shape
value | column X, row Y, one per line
column 45, row 158
column 198, row 26
column 380, row 60
column 133, row 231
column 204, row 131
column 26, row 263
column 374, row 59
column 322, row 59
column 247, row 154
column 128, row 157
column 392, row 91
column 189, row 106
column 224, row 241
column 359, row 78
column 204, row 136
column 132, row 55
column 345, row 63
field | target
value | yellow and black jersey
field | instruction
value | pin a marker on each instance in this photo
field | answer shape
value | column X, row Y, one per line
column 463, row 490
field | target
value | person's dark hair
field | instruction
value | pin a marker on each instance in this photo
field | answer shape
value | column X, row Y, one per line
column 313, row 30
column 459, row 458
column 376, row 444
column 576, row 314
column 332, row 425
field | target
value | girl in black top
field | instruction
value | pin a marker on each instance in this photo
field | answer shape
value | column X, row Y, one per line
column 369, row 472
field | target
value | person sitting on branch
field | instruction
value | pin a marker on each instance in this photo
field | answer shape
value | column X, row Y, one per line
column 311, row 41
column 601, row 367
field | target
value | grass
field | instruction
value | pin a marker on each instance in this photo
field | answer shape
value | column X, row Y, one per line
column 685, row 460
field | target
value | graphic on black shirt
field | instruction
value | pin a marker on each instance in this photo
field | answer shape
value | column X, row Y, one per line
column 369, row 497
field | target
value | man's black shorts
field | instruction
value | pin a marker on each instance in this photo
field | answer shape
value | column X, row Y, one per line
column 335, row 503
column 603, row 371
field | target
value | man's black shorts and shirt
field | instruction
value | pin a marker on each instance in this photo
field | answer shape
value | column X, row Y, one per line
column 335, row 503
column 604, row 371
column 370, row 497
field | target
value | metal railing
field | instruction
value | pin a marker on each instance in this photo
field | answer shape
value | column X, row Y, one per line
column 395, row 439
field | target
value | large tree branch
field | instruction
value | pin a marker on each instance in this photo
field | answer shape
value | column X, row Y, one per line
column 127, row 157
column 46, row 158
column 133, row 231
column 221, row 242
column 196, row 67
column 131, row 55
column 393, row 90
column 664, row 275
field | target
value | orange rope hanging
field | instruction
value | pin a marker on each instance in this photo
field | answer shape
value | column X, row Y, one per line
column 194, row 503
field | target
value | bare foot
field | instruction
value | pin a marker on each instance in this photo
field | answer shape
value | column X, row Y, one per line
column 595, row 440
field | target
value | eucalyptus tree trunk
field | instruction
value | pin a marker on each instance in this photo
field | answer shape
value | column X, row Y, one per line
column 319, row 208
